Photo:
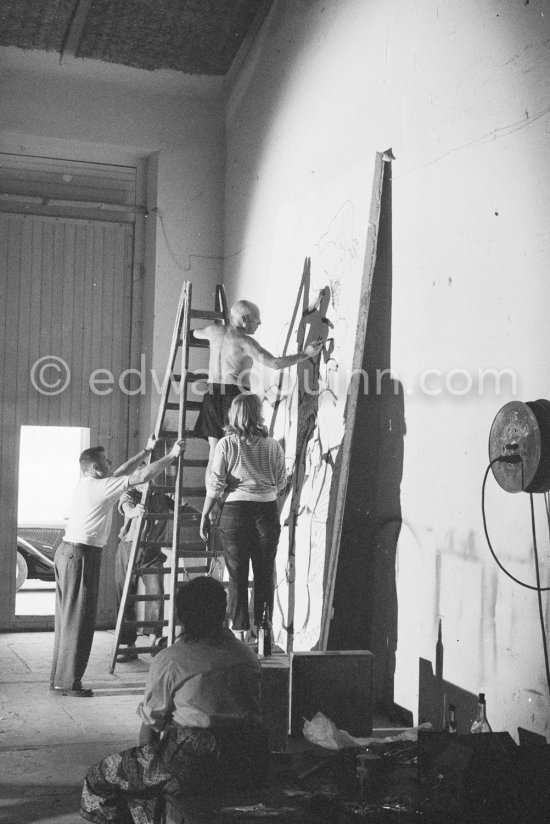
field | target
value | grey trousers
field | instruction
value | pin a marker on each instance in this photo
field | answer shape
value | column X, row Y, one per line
column 77, row 568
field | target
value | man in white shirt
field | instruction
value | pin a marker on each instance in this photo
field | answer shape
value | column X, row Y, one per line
column 78, row 558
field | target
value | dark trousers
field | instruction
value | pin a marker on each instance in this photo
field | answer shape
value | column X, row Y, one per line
column 77, row 568
column 153, row 584
column 249, row 531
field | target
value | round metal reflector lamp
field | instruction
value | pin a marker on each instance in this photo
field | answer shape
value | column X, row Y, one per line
column 519, row 443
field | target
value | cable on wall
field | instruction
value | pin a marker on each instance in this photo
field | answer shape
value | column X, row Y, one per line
column 519, row 453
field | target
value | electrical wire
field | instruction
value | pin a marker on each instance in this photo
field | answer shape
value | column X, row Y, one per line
column 538, row 589
column 539, row 592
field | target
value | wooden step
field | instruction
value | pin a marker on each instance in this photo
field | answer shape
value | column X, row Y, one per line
column 207, row 314
column 146, row 623
column 172, row 435
column 191, row 377
column 201, row 462
column 190, row 406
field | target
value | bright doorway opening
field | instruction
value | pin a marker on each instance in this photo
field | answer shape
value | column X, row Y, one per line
column 48, row 473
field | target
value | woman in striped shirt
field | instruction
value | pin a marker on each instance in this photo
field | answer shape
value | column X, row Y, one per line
column 248, row 471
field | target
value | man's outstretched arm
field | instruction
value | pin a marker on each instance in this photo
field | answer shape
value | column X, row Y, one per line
column 132, row 463
column 147, row 473
column 267, row 359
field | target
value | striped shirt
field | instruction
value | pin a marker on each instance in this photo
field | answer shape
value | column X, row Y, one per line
column 252, row 471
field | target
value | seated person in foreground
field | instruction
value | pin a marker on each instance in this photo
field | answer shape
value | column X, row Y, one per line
column 200, row 717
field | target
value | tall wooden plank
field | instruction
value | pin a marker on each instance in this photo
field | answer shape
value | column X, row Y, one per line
column 351, row 407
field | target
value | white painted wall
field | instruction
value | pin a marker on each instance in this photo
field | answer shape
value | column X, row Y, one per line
column 168, row 122
column 460, row 91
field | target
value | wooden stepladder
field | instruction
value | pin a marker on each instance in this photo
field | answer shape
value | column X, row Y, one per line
column 185, row 545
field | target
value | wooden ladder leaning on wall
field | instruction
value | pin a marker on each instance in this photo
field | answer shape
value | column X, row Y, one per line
column 185, row 543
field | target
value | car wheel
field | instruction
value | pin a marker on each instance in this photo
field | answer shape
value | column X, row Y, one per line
column 22, row 571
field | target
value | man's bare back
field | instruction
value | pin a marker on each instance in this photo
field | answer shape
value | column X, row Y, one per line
column 230, row 359
column 233, row 350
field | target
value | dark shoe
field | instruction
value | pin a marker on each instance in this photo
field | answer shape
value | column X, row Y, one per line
column 160, row 643
column 81, row 693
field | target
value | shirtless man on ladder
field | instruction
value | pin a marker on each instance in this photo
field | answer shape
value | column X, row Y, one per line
column 233, row 352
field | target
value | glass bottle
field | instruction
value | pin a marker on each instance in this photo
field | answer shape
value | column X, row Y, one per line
column 481, row 724
column 264, row 634
column 451, row 720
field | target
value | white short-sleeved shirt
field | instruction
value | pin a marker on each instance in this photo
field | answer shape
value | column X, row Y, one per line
column 91, row 510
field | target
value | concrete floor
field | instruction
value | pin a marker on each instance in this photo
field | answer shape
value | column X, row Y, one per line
column 47, row 741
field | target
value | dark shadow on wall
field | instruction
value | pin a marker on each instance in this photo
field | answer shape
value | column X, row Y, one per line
column 435, row 693
column 365, row 596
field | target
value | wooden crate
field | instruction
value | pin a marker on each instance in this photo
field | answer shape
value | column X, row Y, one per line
column 275, row 699
column 338, row 684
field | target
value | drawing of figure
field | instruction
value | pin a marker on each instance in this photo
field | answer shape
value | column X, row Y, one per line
column 310, row 424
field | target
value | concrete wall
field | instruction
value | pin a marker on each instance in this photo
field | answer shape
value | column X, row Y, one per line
column 171, row 125
column 459, row 90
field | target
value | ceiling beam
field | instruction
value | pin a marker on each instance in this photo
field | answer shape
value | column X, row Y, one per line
column 76, row 27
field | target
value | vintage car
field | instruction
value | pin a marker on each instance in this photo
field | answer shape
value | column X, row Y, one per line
column 36, row 545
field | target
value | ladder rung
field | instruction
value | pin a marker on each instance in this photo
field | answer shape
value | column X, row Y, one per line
column 190, row 406
column 207, row 314
column 195, row 462
column 169, row 434
column 194, row 491
column 164, row 545
column 165, row 597
column 191, row 377
column 158, row 516
column 199, row 344
column 187, row 553
column 146, row 624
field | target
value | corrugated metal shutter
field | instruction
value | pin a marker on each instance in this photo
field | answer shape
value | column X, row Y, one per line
column 65, row 294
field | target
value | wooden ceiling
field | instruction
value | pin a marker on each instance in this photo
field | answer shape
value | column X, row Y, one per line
column 190, row 36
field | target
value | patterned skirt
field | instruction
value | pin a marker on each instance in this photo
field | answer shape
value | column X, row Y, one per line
column 129, row 787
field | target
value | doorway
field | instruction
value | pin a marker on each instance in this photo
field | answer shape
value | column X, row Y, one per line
column 42, row 501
